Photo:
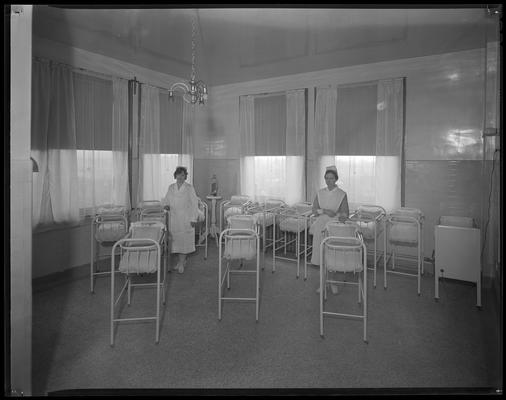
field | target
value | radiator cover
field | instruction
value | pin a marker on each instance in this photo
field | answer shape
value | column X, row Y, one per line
column 457, row 254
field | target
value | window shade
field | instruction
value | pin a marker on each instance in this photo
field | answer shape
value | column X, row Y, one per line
column 270, row 125
column 171, row 124
column 356, row 119
column 93, row 108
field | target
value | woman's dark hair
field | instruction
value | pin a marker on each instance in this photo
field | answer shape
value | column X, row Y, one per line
column 331, row 171
column 179, row 170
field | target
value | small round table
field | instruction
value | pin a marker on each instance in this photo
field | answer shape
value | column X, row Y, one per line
column 215, row 230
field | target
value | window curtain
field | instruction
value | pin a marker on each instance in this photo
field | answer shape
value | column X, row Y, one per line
column 121, row 190
column 389, row 142
column 54, row 144
column 41, row 95
column 323, row 142
column 102, row 133
column 247, row 150
column 166, row 141
column 149, row 145
column 355, row 143
column 295, row 146
column 368, row 175
column 185, row 156
column 176, row 138
column 272, row 132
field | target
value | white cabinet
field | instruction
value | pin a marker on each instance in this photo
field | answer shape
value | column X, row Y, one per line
column 457, row 256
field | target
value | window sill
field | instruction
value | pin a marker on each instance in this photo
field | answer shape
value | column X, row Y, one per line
column 62, row 226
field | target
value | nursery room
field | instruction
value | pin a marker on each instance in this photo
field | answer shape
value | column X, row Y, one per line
column 254, row 200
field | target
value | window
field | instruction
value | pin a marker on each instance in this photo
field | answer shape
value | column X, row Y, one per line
column 269, row 177
column 94, row 179
column 362, row 139
column 172, row 138
column 356, row 177
column 93, row 98
column 273, row 146
column 164, row 150
column 356, row 142
column 158, row 173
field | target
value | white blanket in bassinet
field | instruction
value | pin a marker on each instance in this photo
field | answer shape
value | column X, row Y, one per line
column 240, row 247
column 294, row 224
column 141, row 261
column 232, row 211
column 367, row 229
column 110, row 231
column 266, row 219
column 344, row 260
column 403, row 233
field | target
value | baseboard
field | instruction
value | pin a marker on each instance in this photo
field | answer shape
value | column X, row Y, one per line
column 57, row 278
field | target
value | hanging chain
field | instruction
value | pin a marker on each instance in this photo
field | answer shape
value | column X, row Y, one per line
column 193, row 91
column 193, row 49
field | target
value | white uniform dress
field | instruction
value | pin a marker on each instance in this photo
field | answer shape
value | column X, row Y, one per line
column 183, row 209
column 333, row 200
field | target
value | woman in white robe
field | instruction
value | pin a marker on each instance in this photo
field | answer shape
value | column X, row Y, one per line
column 330, row 203
column 183, row 213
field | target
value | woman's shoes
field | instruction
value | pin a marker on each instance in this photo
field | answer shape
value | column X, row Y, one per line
column 181, row 266
column 333, row 288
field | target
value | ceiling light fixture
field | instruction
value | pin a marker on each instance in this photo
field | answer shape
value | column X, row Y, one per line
column 194, row 91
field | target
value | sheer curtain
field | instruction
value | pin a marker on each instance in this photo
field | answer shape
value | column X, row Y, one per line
column 150, row 172
column 41, row 95
column 295, row 145
column 389, row 136
column 102, row 133
column 166, row 141
column 80, row 142
column 185, row 155
column 273, row 146
column 54, row 144
column 359, row 129
column 247, row 132
column 323, row 141
column 121, row 191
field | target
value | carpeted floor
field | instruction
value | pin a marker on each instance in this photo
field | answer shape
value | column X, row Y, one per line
column 413, row 341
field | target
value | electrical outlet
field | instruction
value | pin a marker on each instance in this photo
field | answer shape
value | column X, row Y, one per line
column 17, row 393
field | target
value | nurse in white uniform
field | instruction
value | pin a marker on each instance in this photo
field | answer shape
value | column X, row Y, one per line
column 330, row 203
column 183, row 213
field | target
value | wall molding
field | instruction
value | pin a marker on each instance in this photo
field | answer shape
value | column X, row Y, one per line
column 80, row 58
column 337, row 76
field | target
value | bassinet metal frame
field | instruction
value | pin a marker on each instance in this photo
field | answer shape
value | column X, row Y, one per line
column 129, row 244
column 352, row 243
column 304, row 250
column 379, row 221
column 226, row 237
column 95, row 245
column 399, row 216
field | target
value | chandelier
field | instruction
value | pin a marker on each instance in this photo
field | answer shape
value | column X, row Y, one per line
column 194, row 91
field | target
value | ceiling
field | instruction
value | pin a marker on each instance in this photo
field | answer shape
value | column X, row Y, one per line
column 242, row 44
